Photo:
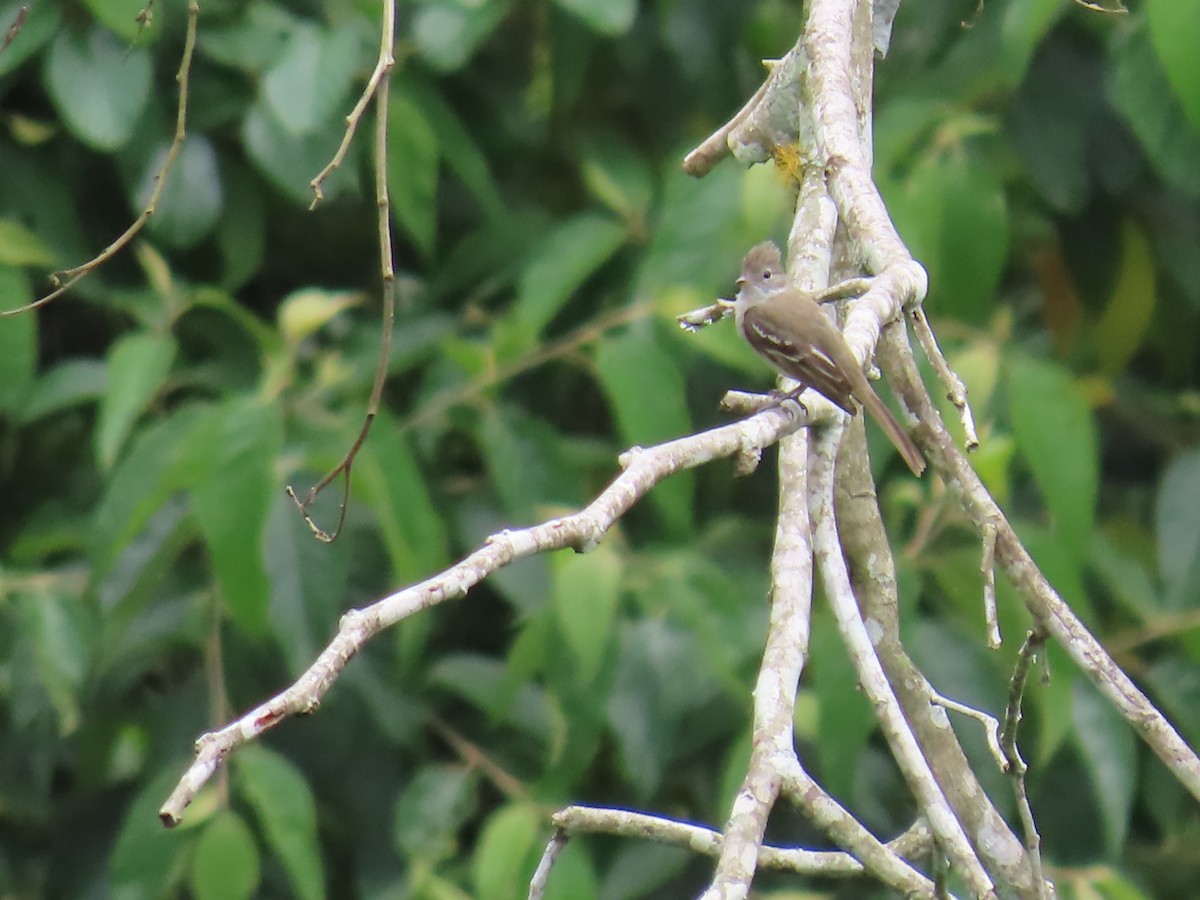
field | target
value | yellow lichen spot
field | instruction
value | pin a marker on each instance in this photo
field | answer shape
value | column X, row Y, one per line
column 789, row 162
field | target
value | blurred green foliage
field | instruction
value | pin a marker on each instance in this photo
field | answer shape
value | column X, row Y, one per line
column 1044, row 164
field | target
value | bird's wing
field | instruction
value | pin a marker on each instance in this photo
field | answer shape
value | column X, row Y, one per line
column 801, row 361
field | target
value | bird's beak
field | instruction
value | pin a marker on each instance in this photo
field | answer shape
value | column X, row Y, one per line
column 740, row 282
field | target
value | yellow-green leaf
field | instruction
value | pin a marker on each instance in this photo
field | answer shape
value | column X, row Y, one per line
column 1123, row 325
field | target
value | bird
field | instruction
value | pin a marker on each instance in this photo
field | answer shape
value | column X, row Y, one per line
column 790, row 330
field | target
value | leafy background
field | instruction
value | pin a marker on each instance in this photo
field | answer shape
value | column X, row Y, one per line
column 1043, row 163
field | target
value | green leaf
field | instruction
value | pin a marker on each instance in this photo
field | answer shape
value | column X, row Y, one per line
column 646, row 391
column 1130, row 310
column 431, row 810
column 952, row 214
column 1142, row 94
column 1173, row 32
column 484, row 683
column 587, row 589
column 527, row 461
column 226, row 865
column 41, row 24
column 845, row 717
column 389, row 480
column 253, row 42
column 559, row 266
column 21, row 247
column 145, row 860
column 640, row 868
column 121, row 18
column 308, row 85
column 617, row 176
column 137, row 370
column 413, row 170
column 574, row 874
column 1062, row 565
column 290, row 162
column 55, row 626
column 308, row 581
column 610, row 17
column 455, row 144
column 502, row 864
column 284, row 807
column 1124, row 575
column 1176, row 684
column 99, row 85
column 193, row 197
column 1178, row 529
column 18, row 341
column 304, row 312
column 1024, row 25
column 1056, row 435
column 241, row 231
column 1049, row 125
column 1109, row 750
column 155, row 467
column 974, row 241
column 233, row 486
column 448, row 31
column 661, row 677
column 695, row 217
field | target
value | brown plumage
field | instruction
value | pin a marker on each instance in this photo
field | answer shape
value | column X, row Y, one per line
column 790, row 331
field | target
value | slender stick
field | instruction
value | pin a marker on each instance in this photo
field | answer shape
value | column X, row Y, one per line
column 68, row 278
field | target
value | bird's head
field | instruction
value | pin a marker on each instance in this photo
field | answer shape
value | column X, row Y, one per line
column 762, row 272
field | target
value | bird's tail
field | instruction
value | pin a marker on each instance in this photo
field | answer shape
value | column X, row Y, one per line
column 895, row 432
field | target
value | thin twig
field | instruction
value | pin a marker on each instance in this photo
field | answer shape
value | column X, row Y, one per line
column 700, row 161
column 991, row 726
column 68, row 278
column 377, row 87
column 1119, row 9
column 15, row 28
column 1016, row 765
column 956, row 391
column 383, row 66
column 541, row 876
column 470, row 753
column 586, row 334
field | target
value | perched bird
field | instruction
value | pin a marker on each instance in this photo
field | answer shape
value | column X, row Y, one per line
column 788, row 329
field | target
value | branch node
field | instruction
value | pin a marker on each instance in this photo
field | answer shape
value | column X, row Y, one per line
column 630, row 456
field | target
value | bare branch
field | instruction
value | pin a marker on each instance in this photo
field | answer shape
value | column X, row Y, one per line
column 541, row 876
column 991, row 726
column 860, row 645
column 377, row 88
column 1053, row 615
column 579, row 530
column 956, row 391
column 68, row 278
column 1016, row 765
column 778, row 677
column 623, row 823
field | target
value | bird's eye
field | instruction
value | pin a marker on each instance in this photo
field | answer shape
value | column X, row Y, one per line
column 766, row 274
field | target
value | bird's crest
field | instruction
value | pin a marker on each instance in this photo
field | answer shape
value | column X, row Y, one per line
column 762, row 257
